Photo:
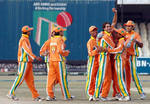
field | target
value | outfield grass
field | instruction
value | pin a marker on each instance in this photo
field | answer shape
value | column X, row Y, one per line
column 76, row 86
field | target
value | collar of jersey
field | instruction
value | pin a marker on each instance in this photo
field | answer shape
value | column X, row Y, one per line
column 92, row 37
column 109, row 34
column 121, row 39
column 57, row 36
column 25, row 35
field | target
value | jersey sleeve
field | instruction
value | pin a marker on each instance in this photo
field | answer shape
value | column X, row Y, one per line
column 45, row 48
column 138, row 37
column 92, row 51
column 61, row 48
column 118, row 49
column 106, row 40
column 28, row 50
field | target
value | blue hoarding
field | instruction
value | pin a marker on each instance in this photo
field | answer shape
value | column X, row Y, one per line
column 17, row 13
column 143, row 65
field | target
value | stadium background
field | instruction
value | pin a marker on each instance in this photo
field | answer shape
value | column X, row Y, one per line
column 17, row 13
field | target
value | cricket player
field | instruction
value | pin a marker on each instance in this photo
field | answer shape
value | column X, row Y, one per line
column 45, row 53
column 111, row 74
column 57, row 71
column 120, row 56
column 132, row 54
column 93, row 53
column 104, row 63
column 25, row 72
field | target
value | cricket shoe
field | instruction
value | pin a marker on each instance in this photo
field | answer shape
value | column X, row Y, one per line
column 38, row 99
column 104, row 98
column 48, row 98
column 125, row 98
column 118, row 96
column 12, row 97
column 143, row 96
column 71, row 98
column 91, row 98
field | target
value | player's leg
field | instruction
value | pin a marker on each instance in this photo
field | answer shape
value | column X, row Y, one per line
column 62, row 78
column 135, row 75
column 127, row 73
column 29, row 79
column 107, row 81
column 51, row 81
column 116, row 90
column 22, row 66
column 91, row 79
column 119, row 68
column 100, row 74
column 90, row 69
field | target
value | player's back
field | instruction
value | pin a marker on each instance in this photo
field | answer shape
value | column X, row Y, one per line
column 56, row 46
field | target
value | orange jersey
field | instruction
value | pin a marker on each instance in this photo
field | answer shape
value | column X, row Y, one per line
column 92, row 47
column 119, row 50
column 46, row 49
column 106, row 41
column 57, row 49
column 133, row 49
column 25, row 51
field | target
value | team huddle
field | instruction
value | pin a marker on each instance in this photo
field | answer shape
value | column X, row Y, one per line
column 112, row 55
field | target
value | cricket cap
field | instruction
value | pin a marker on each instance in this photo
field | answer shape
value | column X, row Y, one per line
column 26, row 28
column 91, row 28
column 129, row 23
column 58, row 29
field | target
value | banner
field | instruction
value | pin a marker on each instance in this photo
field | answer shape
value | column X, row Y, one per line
column 143, row 65
column 43, row 15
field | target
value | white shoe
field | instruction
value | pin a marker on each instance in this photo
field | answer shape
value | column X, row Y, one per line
column 125, row 98
column 118, row 96
column 143, row 96
column 38, row 99
column 104, row 99
column 12, row 97
column 48, row 98
column 91, row 98
column 71, row 98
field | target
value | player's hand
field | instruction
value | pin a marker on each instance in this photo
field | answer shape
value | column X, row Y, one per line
column 64, row 46
column 38, row 58
column 67, row 52
column 105, row 50
column 114, row 10
column 100, row 49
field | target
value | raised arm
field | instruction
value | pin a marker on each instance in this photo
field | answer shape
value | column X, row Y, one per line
column 114, row 21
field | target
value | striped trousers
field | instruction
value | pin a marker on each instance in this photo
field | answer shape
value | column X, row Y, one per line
column 103, row 64
column 25, row 72
column 131, row 70
column 92, row 68
column 119, row 67
column 57, row 73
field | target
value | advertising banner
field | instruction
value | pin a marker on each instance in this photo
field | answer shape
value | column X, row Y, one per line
column 44, row 15
column 143, row 65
